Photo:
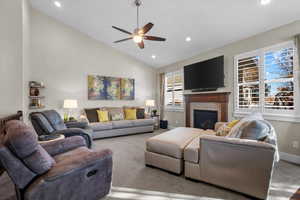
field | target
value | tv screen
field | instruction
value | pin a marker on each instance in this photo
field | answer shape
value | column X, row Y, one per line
column 208, row 74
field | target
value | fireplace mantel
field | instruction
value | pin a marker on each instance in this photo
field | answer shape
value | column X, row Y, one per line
column 219, row 98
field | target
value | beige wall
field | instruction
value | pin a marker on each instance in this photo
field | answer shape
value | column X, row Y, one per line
column 287, row 131
column 10, row 56
column 62, row 57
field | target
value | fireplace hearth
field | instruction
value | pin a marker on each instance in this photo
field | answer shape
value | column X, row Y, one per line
column 207, row 102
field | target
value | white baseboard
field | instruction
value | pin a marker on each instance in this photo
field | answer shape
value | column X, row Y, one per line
column 290, row 157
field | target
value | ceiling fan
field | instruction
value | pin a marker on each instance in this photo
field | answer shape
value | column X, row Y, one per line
column 139, row 34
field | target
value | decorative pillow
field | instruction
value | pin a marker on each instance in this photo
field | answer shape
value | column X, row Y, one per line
column 103, row 115
column 223, row 130
column 116, row 114
column 140, row 113
column 232, row 123
column 92, row 114
column 130, row 114
column 117, row 117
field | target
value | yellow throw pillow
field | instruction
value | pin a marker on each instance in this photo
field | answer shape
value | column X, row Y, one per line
column 232, row 123
column 130, row 113
column 102, row 115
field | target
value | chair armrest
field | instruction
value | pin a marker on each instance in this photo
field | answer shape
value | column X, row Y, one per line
column 80, row 162
column 76, row 124
column 69, row 132
column 218, row 125
column 62, row 146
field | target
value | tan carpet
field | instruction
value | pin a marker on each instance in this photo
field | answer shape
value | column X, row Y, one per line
column 133, row 181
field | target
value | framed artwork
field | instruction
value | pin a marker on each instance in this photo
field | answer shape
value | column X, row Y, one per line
column 110, row 88
column 127, row 89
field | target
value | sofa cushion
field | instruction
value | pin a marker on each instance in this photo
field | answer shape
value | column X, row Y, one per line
column 173, row 142
column 122, row 124
column 130, row 113
column 116, row 114
column 91, row 114
column 103, row 115
column 143, row 122
column 191, row 151
column 100, row 126
column 140, row 113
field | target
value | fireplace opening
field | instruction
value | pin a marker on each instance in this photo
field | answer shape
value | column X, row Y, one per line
column 205, row 119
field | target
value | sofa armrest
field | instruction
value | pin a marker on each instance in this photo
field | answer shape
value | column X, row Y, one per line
column 242, row 165
column 218, row 125
column 69, row 132
column 62, row 146
column 80, row 162
column 75, row 124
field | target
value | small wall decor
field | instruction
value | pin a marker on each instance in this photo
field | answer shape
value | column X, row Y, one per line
column 110, row 88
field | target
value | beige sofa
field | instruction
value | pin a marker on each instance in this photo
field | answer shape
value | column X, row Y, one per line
column 241, row 165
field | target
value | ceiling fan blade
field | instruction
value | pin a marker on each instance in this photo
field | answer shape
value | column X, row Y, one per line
column 141, row 45
column 154, row 38
column 123, row 40
column 122, row 30
column 146, row 28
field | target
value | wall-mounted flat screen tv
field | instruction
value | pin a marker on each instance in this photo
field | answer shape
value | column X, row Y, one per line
column 204, row 76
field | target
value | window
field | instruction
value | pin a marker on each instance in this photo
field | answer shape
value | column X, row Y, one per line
column 174, row 89
column 266, row 80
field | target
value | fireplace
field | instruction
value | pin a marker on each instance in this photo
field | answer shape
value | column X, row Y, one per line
column 209, row 103
column 205, row 119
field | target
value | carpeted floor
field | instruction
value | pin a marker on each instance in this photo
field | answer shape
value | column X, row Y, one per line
column 133, row 181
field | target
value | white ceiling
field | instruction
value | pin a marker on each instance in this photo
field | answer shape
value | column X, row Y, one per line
column 210, row 23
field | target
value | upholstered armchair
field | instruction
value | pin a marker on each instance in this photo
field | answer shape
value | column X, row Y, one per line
column 49, row 122
column 57, row 170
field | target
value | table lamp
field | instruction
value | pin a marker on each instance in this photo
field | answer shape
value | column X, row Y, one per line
column 69, row 104
column 150, row 104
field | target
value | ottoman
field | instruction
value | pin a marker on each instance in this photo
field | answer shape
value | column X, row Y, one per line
column 165, row 151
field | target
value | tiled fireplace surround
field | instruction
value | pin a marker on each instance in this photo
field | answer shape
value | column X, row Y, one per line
column 206, row 101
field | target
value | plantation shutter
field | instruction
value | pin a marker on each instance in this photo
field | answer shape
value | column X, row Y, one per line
column 174, row 89
column 248, row 82
column 178, row 89
column 169, row 89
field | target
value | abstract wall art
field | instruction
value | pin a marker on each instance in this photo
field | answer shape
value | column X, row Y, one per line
column 110, row 88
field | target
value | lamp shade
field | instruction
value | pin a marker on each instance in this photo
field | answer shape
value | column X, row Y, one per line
column 150, row 103
column 70, row 103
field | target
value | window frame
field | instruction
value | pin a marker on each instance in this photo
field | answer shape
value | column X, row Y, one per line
column 173, row 107
column 272, row 114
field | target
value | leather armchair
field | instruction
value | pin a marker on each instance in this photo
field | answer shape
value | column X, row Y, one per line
column 58, row 170
column 49, row 122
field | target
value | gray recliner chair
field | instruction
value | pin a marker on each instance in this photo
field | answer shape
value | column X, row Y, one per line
column 57, row 170
column 49, row 122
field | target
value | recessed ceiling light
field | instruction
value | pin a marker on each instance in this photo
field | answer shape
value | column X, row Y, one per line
column 188, row 39
column 57, row 4
column 265, row 2
column 153, row 56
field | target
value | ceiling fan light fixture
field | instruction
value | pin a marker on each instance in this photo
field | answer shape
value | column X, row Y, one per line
column 265, row 2
column 137, row 39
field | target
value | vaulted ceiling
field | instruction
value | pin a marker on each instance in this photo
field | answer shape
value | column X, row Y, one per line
column 209, row 23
